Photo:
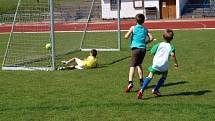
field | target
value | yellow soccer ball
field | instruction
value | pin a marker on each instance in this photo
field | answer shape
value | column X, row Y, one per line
column 48, row 46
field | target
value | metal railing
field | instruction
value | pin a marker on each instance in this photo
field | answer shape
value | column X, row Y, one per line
column 206, row 9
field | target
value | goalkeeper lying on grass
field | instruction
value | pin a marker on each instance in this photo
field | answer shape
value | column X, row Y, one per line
column 76, row 63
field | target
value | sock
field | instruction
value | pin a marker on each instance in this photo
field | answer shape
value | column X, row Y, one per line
column 159, row 83
column 130, row 82
column 67, row 62
column 141, row 82
column 146, row 82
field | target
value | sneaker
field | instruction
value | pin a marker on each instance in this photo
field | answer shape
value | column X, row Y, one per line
column 139, row 95
column 64, row 62
column 61, row 68
column 156, row 93
column 129, row 87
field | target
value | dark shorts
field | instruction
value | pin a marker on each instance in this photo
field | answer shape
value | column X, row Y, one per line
column 137, row 56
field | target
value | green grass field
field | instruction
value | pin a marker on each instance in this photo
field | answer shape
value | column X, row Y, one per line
column 98, row 94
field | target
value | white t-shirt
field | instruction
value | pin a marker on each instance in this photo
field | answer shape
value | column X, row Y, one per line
column 160, row 60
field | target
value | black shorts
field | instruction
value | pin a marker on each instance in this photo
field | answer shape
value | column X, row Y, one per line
column 137, row 56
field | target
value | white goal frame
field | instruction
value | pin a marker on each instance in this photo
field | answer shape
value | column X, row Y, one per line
column 52, row 39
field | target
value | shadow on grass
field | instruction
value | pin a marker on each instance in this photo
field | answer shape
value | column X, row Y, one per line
column 113, row 62
column 193, row 93
column 165, row 85
column 170, row 84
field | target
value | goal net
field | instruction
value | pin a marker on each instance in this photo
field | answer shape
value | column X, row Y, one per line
column 83, row 20
column 78, row 25
column 29, row 34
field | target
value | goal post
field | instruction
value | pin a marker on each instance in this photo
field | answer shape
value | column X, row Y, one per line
column 52, row 36
column 69, row 26
column 86, row 31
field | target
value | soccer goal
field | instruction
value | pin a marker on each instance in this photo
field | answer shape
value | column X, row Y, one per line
column 84, row 19
column 68, row 25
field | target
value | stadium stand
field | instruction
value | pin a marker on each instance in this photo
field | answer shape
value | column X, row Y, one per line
column 199, row 9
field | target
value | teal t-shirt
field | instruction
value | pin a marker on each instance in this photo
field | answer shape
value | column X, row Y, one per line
column 138, row 38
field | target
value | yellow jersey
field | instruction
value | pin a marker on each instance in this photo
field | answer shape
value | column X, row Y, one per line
column 90, row 62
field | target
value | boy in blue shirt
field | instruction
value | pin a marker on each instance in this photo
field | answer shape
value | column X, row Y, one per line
column 138, row 47
column 161, row 51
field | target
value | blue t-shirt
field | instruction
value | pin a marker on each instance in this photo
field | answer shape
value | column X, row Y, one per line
column 138, row 37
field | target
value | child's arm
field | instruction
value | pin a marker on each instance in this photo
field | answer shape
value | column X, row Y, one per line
column 151, row 38
column 88, row 58
column 174, row 59
column 127, row 35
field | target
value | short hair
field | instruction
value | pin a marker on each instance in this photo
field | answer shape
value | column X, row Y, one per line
column 94, row 52
column 140, row 18
column 168, row 35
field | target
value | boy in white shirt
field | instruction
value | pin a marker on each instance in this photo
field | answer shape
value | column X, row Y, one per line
column 161, row 51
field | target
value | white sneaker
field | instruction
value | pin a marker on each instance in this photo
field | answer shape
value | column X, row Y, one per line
column 61, row 68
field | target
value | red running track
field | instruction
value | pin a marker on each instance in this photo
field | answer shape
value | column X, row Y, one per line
column 125, row 25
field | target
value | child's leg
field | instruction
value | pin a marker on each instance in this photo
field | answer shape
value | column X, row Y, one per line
column 160, row 82
column 80, row 64
column 134, row 62
column 71, row 67
column 140, row 73
column 146, row 81
column 71, row 60
column 131, row 74
column 131, row 79
column 79, row 61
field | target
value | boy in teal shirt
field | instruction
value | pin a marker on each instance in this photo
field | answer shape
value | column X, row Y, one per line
column 161, row 51
column 138, row 46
